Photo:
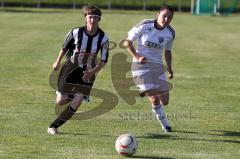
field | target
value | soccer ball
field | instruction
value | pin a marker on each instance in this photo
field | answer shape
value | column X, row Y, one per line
column 126, row 145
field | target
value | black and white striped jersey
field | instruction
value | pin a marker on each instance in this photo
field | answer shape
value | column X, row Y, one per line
column 79, row 43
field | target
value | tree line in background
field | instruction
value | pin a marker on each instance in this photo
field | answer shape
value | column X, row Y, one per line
column 178, row 5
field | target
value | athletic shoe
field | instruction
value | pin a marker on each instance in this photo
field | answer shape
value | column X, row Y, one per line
column 52, row 131
column 168, row 129
column 86, row 99
column 161, row 117
column 165, row 125
column 142, row 94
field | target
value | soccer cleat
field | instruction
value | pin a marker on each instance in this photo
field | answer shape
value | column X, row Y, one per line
column 142, row 94
column 168, row 129
column 161, row 117
column 52, row 131
column 86, row 99
column 165, row 124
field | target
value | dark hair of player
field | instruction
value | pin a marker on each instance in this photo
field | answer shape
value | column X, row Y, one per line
column 91, row 10
column 166, row 7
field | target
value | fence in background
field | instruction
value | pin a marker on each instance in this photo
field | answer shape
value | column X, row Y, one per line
column 178, row 5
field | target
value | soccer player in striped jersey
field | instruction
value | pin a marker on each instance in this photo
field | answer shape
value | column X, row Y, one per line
column 81, row 46
column 155, row 37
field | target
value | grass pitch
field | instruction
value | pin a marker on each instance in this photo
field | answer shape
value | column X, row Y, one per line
column 204, row 105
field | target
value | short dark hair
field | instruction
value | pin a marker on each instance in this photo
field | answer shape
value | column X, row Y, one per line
column 91, row 9
column 164, row 6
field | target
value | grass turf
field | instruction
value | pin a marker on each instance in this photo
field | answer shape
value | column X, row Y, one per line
column 204, row 103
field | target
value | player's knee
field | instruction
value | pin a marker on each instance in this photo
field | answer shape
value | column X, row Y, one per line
column 60, row 102
column 155, row 101
column 77, row 100
column 76, row 103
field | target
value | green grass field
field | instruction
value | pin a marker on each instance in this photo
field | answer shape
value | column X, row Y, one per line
column 204, row 106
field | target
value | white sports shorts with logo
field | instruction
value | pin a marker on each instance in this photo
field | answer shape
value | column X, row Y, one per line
column 149, row 77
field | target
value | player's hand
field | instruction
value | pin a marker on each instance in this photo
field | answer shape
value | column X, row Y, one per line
column 87, row 75
column 141, row 59
column 55, row 65
column 170, row 73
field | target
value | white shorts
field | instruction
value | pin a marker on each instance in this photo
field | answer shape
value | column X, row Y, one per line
column 150, row 78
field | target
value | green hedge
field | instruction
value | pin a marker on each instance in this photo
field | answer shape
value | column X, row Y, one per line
column 134, row 3
column 185, row 4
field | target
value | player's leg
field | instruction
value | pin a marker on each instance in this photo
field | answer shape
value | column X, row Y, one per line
column 66, row 114
column 164, row 98
column 158, row 110
column 62, row 99
column 149, row 85
column 161, row 93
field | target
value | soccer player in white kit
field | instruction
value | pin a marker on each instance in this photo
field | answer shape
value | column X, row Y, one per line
column 154, row 37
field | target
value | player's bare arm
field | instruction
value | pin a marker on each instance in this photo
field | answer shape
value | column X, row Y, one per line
column 133, row 52
column 59, row 58
column 168, row 58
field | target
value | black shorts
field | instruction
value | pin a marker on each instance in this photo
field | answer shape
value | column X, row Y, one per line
column 70, row 80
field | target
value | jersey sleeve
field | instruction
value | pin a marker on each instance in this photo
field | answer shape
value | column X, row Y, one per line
column 170, row 39
column 137, row 30
column 169, row 45
column 134, row 33
column 105, row 49
column 69, row 41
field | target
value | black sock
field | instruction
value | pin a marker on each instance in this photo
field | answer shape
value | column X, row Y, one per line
column 63, row 117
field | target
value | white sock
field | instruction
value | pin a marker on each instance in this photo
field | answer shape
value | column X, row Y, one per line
column 160, row 115
column 158, row 111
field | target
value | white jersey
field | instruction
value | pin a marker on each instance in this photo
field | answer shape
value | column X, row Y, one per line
column 151, row 40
